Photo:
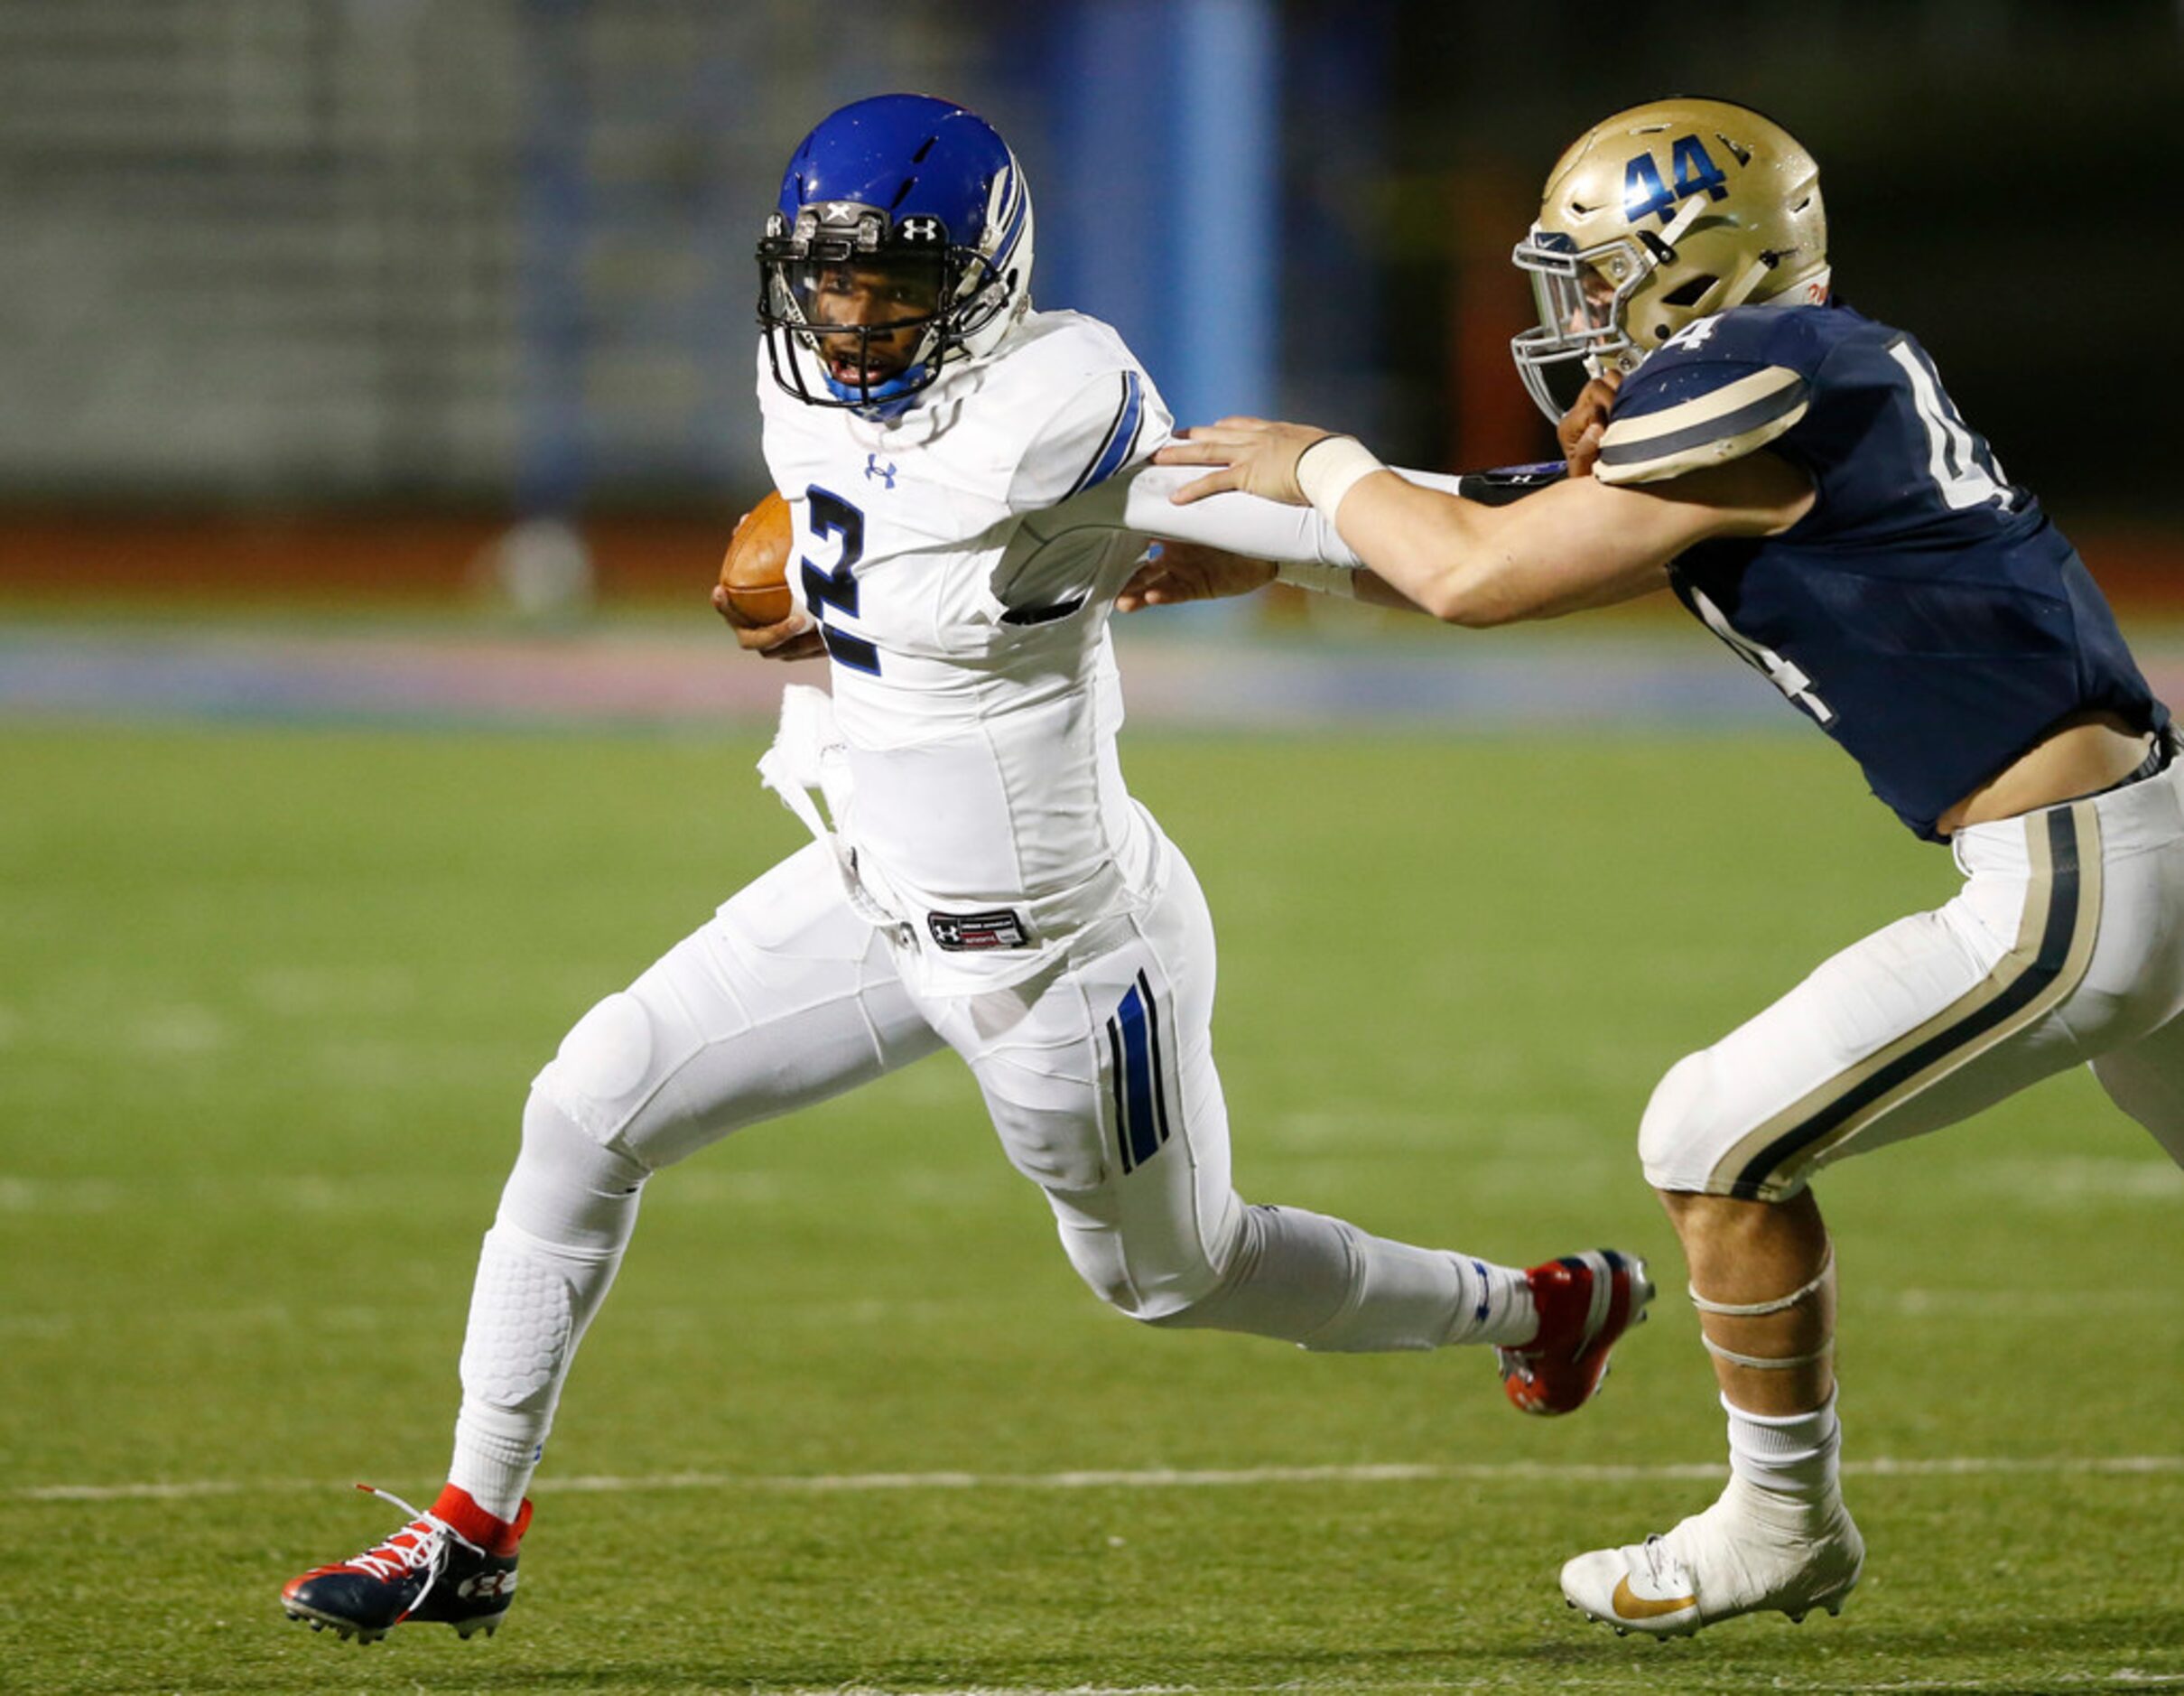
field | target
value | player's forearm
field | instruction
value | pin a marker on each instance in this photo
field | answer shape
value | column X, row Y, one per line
column 1236, row 523
column 1479, row 566
column 1368, row 585
column 1245, row 524
column 1430, row 550
column 1376, row 590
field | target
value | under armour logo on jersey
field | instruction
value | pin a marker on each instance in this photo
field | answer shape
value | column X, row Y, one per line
column 961, row 933
column 875, row 469
column 920, row 230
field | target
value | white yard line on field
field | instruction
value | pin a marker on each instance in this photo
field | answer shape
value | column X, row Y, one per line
column 2128, row 1678
column 1514, row 1471
column 1019, row 1690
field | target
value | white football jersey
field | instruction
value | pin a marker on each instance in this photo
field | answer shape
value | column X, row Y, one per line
column 962, row 561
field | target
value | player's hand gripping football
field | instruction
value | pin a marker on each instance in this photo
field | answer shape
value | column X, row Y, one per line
column 753, row 593
column 1580, row 429
column 1177, row 571
column 1256, row 455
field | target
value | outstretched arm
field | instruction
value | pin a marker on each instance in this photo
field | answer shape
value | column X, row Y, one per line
column 1575, row 545
column 1212, row 549
column 1237, row 524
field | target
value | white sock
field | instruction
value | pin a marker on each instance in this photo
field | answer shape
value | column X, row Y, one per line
column 494, row 1465
column 1793, row 1455
column 1500, row 1308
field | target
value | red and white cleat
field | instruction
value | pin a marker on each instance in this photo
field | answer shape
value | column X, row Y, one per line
column 454, row 1566
column 1585, row 1302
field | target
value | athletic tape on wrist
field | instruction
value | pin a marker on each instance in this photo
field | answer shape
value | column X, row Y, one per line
column 1330, row 468
column 1320, row 579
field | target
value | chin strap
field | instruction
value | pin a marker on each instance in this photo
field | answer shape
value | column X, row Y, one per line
column 1820, row 1279
column 1741, row 290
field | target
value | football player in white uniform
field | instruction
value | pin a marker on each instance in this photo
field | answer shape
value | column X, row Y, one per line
column 1797, row 475
column 964, row 474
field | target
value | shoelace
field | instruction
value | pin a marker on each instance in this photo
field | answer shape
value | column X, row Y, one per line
column 422, row 1544
column 1665, row 1570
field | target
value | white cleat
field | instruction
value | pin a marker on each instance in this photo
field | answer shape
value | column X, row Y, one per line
column 1752, row 1552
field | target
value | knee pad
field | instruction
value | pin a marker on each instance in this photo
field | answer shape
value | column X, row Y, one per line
column 600, row 1076
column 569, row 1190
column 1152, row 1289
column 1097, row 1258
column 1673, row 1138
column 565, row 1218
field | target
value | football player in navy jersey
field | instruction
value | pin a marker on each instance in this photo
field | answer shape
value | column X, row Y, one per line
column 1797, row 474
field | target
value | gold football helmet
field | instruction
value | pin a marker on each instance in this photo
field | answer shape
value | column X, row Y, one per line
column 1666, row 213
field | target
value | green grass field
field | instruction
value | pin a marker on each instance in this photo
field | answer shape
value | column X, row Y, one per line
column 269, row 1002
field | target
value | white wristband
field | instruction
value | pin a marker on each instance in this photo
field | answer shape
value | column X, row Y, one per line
column 1320, row 579
column 1330, row 468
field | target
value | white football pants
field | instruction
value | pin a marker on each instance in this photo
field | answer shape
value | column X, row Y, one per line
column 1099, row 1077
column 2065, row 946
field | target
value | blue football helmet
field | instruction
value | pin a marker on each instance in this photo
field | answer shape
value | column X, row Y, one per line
column 902, row 242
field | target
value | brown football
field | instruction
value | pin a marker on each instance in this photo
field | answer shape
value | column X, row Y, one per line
column 755, row 571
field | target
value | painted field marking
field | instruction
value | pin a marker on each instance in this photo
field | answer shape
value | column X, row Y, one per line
column 1162, row 1479
column 2125, row 1678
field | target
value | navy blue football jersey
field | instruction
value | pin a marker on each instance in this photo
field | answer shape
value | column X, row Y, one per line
column 1924, row 612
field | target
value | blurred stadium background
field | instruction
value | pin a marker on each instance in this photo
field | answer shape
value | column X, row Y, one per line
column 313, row 298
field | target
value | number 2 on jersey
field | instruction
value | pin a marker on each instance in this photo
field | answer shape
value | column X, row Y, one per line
column 835, row 590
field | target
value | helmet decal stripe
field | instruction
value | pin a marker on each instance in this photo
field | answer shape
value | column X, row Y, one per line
column 1014, row 201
